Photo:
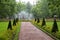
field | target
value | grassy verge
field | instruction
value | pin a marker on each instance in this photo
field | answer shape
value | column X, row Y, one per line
column 9, row 34
column 17, row 31
column 47, row 29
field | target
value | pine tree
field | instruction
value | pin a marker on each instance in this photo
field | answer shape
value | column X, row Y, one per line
column 9, row 25
column 43, row 22
column 55, row 26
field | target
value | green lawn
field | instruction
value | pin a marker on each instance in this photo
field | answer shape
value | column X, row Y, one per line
column 8, row 34
column 17, row 31
column 50, row 24
column 3, row 27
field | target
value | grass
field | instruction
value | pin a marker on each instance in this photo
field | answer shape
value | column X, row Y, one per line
column 9, row 34
column 48, row 27
column 3, row 27
column 17, row 31
column 50, row 24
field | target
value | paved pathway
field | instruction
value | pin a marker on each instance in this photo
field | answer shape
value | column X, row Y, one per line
column 30, row 32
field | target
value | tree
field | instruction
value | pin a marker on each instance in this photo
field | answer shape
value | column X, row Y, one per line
column 55, row 26
column 47, row 8
column 8, row 8
column 28, row 7
column 54, row 7
column 20, row 7
column 34, row 12
column 40, row 9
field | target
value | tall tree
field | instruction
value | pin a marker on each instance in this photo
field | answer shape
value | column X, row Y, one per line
column 7, row 8
column 28, row 7
column 54, row 7
column 41, row 8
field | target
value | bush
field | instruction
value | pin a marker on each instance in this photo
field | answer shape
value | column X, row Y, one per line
column 35, row 19
column 9, row 25
column 43, row 22
column 38, row 20
column 55, row 26
column 17, row 20
column 57, row 34
column 14, row 22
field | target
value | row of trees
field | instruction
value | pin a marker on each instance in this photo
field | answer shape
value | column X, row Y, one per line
column 46, row 8
column 54, row 7
column 10, row 7
column 7, row 8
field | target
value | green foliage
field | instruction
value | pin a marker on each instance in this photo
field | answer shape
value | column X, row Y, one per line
column 40, row 9
column 55, row 26
column 54, row 7
column 57, row 34
column 7, row 8
column 17, row 31
column 46, row 8
column 28, row 7
column 20, row 6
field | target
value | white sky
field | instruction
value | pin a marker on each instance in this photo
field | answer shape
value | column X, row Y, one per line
column 25, row 1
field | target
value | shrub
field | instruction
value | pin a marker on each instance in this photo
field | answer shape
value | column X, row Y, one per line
column 55, row 26
column 35, row 19
column 57, row 34
column 43, row 22
column 9, row 25
column 14, row 22
column 17, row 20
column 38, row 20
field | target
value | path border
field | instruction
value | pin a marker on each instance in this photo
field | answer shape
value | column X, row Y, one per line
column 55, row 38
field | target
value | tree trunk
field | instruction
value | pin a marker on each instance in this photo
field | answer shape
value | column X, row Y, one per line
column 35, row 19
column 9, row 24
column 38, row 20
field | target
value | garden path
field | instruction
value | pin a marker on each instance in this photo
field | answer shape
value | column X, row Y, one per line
column 30, row 32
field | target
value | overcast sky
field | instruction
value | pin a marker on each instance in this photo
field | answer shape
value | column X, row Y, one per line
column 31, row 1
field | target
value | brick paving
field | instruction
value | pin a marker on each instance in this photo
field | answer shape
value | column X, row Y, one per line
column 30, row 32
